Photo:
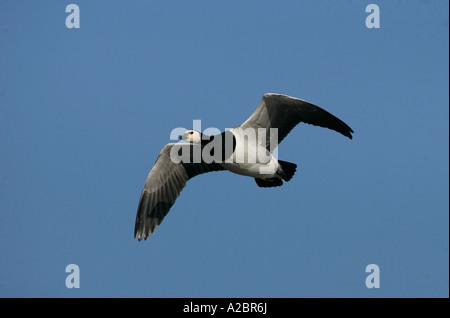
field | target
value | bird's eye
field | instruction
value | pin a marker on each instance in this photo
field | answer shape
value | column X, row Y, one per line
column 191, row 132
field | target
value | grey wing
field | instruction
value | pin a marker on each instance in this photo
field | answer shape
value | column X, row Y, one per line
column 285, row 112
column 163, row 186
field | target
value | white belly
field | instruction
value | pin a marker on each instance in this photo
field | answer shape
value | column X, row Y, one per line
column 250, row 158
column 255, row 170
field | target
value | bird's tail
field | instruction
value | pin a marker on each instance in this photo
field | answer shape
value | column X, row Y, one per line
column 286, row 170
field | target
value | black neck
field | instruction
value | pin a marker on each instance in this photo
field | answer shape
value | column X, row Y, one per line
column 223, row 138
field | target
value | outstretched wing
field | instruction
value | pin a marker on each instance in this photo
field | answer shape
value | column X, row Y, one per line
column 285, row 112
column 164, row 184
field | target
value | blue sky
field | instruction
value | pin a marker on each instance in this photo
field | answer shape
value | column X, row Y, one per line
column 84, row 113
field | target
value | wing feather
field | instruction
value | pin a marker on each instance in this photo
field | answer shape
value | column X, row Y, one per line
column 164, row 184
column 284, row 113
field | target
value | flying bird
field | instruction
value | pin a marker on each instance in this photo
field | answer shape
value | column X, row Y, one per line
column 237, row 150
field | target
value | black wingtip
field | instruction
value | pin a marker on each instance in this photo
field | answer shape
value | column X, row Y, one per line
column 350, row 134
column 140, row 236
column 347, row 132
column 137, row 236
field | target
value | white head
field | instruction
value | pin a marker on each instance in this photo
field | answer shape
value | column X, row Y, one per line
column 192, row 136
